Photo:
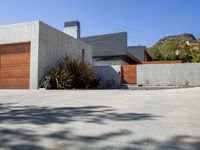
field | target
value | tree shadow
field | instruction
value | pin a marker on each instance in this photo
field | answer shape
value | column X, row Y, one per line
column 86, row 138
column 179, row 142
column 45, row 115
column 20, row 139
column 23, row 139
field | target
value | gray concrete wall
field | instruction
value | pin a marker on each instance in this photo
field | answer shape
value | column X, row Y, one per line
column 24, row 32
column 108, row 44
column 169, row 74
column 109, row 62
column 137, row 51
column 48, row 45
column 54, row 44
column 111, row 75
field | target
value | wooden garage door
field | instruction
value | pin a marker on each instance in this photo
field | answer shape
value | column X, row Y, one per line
column 15, row 66
column 129, row 74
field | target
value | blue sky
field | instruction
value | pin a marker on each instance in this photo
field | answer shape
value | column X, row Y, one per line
column 146, row 21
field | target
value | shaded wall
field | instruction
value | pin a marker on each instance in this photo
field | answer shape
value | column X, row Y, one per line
column 54, row 45
column 108, row 44
column 169, row 74
column 111, row 75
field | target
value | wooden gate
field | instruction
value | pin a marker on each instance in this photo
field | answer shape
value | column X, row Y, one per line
column 129, row 74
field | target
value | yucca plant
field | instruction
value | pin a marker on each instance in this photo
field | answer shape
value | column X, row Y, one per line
column 72, row 73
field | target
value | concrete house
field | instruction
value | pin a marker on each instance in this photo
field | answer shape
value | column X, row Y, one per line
column 112, row 49
column 109, row 49
column 27, row 50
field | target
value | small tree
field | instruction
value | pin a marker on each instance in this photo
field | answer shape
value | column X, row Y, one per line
column 186, row 53
column 155, row 53
column 169, row 50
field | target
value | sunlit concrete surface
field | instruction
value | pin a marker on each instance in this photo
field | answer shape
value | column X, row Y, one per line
column 100, row 119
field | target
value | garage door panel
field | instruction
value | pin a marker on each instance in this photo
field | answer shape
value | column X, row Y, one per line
column 14, row 83
column 15, row 48
column 15, row 72
column 15, row 59
column 15, row 66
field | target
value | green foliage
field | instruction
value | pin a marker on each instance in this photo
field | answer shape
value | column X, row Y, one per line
column 196, row 54
column 73, row 73
column 196, row 57
column 155, row 54
column 174, row 50
column 185, row 53
column 199, row 44
column 169, row 50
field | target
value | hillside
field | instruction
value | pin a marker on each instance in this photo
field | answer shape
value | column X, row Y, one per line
column 183, row 47
column 181, row 37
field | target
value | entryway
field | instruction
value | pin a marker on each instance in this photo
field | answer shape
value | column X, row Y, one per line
column 129, row 74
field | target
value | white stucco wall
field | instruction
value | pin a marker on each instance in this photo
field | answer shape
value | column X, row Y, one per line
column 72, row 31
column 111, row 75
column 24, row 32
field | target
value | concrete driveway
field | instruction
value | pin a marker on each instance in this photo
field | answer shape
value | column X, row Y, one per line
column 100, row 119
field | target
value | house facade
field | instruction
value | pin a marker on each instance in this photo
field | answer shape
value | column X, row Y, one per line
column 28, row 50
column 112, row 49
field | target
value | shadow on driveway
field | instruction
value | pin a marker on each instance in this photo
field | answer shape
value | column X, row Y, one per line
column 29, row 139
column 68, row 140
column 46, row 115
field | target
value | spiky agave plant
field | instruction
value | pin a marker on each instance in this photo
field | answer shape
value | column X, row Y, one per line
column 72, row 73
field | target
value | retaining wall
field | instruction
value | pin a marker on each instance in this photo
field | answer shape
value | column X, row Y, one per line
column 169, row 74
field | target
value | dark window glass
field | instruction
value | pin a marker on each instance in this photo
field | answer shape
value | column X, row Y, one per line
column 83, row 54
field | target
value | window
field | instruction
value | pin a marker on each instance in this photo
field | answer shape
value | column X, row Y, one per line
column 83, row 54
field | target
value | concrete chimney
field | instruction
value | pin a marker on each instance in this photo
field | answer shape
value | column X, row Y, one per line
column 72, row 28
